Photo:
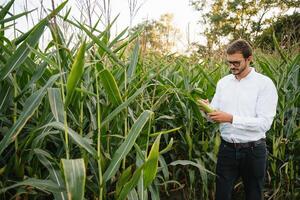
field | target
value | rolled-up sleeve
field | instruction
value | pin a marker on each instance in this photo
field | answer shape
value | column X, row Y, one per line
column 265, row 111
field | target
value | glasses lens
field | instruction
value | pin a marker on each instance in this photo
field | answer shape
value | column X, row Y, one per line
column 235, row 63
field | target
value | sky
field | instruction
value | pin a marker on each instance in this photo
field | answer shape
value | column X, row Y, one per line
column 185, row 17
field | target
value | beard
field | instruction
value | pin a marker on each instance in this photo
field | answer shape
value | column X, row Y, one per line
column 237, row 70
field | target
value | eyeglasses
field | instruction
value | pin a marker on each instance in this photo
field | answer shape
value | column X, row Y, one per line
column 234, row 63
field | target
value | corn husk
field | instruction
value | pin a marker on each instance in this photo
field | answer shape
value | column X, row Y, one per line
column 204, row 106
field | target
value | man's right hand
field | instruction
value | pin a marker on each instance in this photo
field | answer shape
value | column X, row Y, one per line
column 204, row 100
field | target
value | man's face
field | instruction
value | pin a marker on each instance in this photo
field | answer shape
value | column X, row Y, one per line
column 237, row 63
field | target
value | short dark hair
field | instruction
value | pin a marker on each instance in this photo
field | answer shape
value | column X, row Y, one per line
column 240, row 46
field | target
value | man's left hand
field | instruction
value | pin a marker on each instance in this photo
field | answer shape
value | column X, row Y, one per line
column 220, row 116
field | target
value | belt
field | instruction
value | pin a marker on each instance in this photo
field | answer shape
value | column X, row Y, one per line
column 245, row 145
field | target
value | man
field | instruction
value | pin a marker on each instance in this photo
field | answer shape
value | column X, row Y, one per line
column 245, row 102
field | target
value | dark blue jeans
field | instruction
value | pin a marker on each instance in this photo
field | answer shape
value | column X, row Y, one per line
column 247, row 163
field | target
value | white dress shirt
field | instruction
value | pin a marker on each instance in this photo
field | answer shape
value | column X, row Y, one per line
column 252, row 101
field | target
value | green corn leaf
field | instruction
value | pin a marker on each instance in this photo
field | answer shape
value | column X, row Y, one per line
column 104, row 40
column 45, row 57
column 23, row 50
column 124, row 178
column 111, row 87
column 164, row 132
column 151, row 164
column 207, row 77
column 5, row 96
column 140, row 160
column 133, row 62
column 67, row 14
column 78, row 25
column 54, row 172
column 3, row 28
column 31, row 39
column 82, row 142
column 266, row 69
column 164, row 168
column 131, row 183
column 30, row 106
column 8, row 46
column 126, row 146
column 75, row 175
column 133, row 195
column 168, row 147
column 57, row 36
column 293, row 64
column 154, row 191
column 56, row 104
column 102, row 45
column 44, row 185
column 35, row 77
column 14, row 17
column 189, row 162
column 130, row 39
column 56, row 10
column 121, row 107
column 276, row 44
column 75, row 74
column 5, row 9
column 117, row 38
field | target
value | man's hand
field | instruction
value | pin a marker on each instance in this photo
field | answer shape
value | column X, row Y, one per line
column 221, row 117
column 205, row 101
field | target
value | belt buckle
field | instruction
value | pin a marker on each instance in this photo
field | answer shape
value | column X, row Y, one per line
column 236, row 145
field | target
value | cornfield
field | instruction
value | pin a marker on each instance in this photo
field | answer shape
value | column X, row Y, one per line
column 101, row 120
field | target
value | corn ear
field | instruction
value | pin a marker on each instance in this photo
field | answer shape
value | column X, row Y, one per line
column 205, row 107
column 195, row 97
